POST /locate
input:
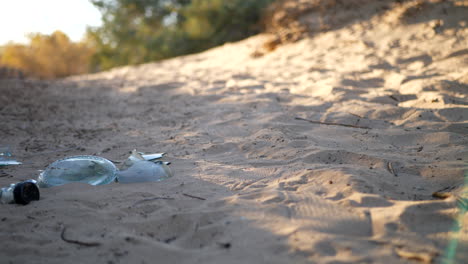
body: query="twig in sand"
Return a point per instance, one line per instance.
(4, 174)
(448, 188)
(152, 199)
(193, 196)
(393, 98)
(390, 168)
(330, 124)
(356, 115)
(81, 243)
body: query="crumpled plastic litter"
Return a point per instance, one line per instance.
(141, 167)
(94, 170)
(5, 157)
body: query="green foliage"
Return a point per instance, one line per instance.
(137, 31)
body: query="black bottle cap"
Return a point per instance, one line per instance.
(25, 192)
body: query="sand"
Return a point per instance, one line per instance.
(255, 182)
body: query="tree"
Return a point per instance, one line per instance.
(47, 56)
(137, 31)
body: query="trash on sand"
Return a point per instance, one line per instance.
(20, 193)
(151, 157)
(86, 169)
(144, 168)
(4, 162)
(138, 167)
(5, 157)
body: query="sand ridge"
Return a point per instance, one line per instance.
(255, 182)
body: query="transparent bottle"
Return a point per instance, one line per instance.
(86, 169)
(144, 171)
(140, 167)
(20, 193)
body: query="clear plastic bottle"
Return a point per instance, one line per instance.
(86, 169)
(20, 193)
(140, 167)
(144, 171)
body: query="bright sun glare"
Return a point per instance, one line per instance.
(20, 17)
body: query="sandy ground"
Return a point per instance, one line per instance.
(255, 182)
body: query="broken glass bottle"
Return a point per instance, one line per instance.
(144, 168)
(86, 169)
(20, 193)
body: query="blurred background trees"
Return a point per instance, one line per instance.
(47, 56)
(137, 31)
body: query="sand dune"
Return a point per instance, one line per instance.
(255, 181)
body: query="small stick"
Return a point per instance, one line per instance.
(448, 188)
(393, 98)
(81, 243)
(330, 124)
(193, 196)
(390, 168)
(356, 115)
